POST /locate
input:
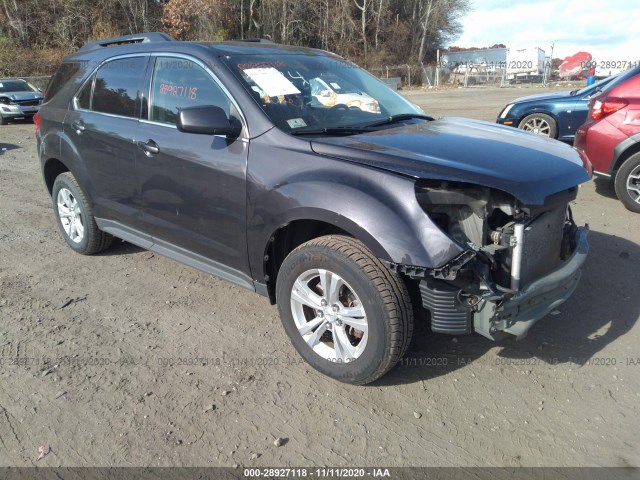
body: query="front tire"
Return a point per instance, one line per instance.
(75, 218)
(540, 124)
(627, 183)
(346, 314)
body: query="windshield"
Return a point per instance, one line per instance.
(7, 86)
(315, 92)
(593, 88)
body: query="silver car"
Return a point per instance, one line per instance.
(18, 100)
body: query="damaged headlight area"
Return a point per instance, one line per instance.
(519, 261)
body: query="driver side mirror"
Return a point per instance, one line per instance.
(208, 120)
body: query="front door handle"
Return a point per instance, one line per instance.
(78, 126)
(149, 147)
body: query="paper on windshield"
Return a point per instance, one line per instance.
(272, 82)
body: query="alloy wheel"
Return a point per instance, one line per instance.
(70, 215)
(537, 125)
(329, 315)
(633, 185)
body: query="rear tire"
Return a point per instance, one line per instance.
(74, 217)
(627, 183)
(540, 124)
(346, 314)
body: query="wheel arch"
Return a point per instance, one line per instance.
(313, 224)
(64, 158)
(625, 149)
(51, 169)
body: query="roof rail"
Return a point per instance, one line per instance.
(125, 39)
(252, 40)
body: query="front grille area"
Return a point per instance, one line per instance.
(27, 103)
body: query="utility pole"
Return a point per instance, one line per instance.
(551, 59)
(437, 79)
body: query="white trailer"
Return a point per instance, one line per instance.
(525, 61)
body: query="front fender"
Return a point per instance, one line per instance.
(376, 207)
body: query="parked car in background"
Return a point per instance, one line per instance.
(18, 100)
(611, 136)
(556, 115)
(348, 219)
(331, 91)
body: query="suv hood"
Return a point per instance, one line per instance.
(544, 96)
(21, 96)
(527, 166)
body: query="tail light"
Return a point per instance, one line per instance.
(36, 120)
(607, 106)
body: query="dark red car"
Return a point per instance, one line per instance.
(611, 136)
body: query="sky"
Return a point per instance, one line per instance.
(604, 29)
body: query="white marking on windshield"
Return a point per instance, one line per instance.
(272, 82)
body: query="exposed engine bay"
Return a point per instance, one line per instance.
(509, 247)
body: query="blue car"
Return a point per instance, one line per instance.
(556, 115)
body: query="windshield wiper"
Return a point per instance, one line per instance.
(399, 118)
(369, 127)
(332, 131)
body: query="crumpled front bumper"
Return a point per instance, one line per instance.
(520, 312)
(18, 111)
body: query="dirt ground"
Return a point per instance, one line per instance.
(130, 359)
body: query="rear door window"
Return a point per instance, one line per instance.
(117, 87)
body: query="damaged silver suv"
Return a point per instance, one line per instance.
(228, 157)
(18, 100)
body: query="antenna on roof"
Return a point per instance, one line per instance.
(127, 39)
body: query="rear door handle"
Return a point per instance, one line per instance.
(149, 147)
(78, 126)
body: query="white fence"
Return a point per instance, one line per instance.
(470, 76)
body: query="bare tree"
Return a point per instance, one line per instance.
(366, 31)
(137, 15)
(381, 4)
(425, 17)
(14, 15)
(363, 22)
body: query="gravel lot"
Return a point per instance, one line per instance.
(130, 359)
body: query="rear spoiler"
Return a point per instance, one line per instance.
(126, 39)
